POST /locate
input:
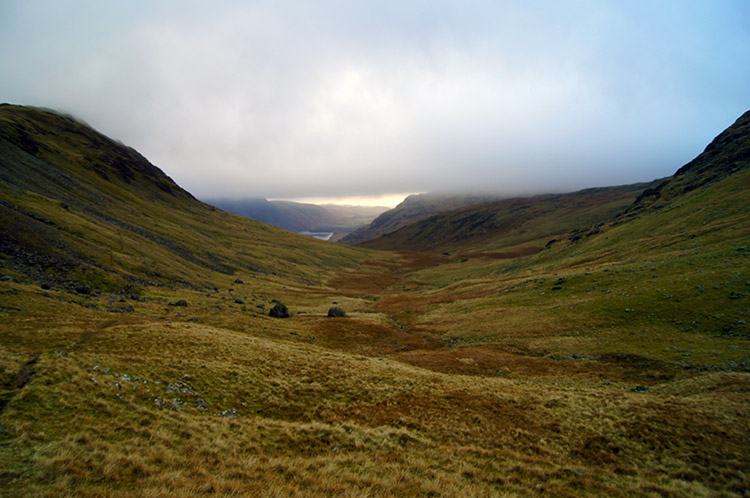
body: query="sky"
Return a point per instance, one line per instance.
(375, 99)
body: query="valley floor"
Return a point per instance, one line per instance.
(491, 384)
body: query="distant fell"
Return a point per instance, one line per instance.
(524, 223)
(413, 208)
(301, 217)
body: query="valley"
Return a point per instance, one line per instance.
(586, 344)
(303, 218)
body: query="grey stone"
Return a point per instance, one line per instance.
(279, 311)
(182, 388)
(336, 312)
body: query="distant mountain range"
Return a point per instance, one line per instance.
(300, 217)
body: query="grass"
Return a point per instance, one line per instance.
(466, 375)
(413, 394)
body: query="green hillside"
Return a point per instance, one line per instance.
(414, 208)
(78, 208)
(519, 224)
(138, 357)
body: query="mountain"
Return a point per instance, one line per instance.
(413, 208)
(138, 354)
(727, 154)
(79, 209)
(300, 217)
(518, 224)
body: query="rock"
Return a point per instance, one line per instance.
(122, 308)
(176, 404)
(200, 404)
(557, 287)
(239, 301)
(45, 286)
(181, 302)
(336, 312)
(230, 413)
(182, 388)
(640, 389)
(736, 295)
(238, 281)
(83, 289)
(279, 310)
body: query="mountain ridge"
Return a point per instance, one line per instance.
(494, 221)
(414, 208)
(301, 217)
(78, 207)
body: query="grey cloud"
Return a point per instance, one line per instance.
(334, 98)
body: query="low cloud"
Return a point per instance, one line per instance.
(322, 99)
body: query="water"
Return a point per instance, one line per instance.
(318, 235)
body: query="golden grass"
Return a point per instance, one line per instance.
(349, 413)
(451, 376)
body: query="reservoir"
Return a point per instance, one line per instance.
(318, 235)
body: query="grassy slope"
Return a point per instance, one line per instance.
(447, 378)
(79, 207)
(524, 224)
(412, 209)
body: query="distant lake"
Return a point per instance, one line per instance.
(318, 235)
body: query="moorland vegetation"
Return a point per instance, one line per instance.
(593, 344)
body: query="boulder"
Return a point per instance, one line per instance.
(336, 312)
(279, 310)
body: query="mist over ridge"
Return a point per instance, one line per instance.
(295, 100)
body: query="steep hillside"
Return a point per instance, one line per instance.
(727, 154)
(300, 217)
(413, 208)
(79, 209)
(521, 224)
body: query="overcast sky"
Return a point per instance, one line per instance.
(290, 99)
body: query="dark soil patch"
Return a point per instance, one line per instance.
(22, 378)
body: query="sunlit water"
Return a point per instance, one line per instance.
(319, 235)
